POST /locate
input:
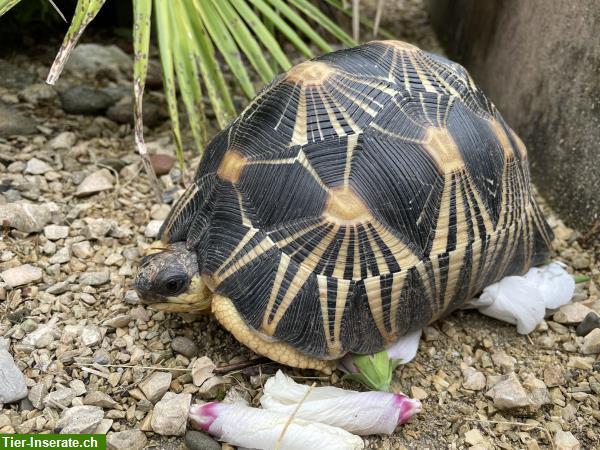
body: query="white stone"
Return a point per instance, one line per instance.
(153, 228)
(56, 232)
(14, 385)
(473, 380)
(98, 181)
(62, 256)
(37, 167)
(591, 343)
(80, 419)
(571, 314)
(170, 414)
(94, 278)
(82, 249)
(21, 275)
(26, 217)
(564, 440)
(91, 336)
(508, 393)
(127, 440)
(155, 386)
(64, 140)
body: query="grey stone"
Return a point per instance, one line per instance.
(59, 288)
(14, 385)
(119, 321)
(126, 440)
(98, 398)
(591, 343)
(62, 397)
(64, 140)
(104, 426)
(98, 228)
(82, 249)
(155, 386)
(13, 77)
(95, 60)
(94, 278)
(122, 112)
(589, 323)
(85, 100)
(21, 275)
(472, 379)
(91, 335)
(37, 167)
(56, 232)
(170, 414)
(564, 440)
(571, 313)
(195, 440)
(508, 393)
(62, 256)
(13, 123)
(184, 346)
(101, 180)
(78, 386)
(26, 217)
(39, 94)
(37, 394)
(80, 419)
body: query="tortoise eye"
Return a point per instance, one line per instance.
(173, 285)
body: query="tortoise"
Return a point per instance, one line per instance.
(362, 195)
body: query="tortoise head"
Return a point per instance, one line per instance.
(169, 280)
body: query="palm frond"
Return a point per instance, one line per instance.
(5, 5)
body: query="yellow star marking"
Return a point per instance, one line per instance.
(310, 73)
(231, 166)
(440, 145)
(344, 207)
(502, 137)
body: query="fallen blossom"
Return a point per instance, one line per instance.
(255, 428)
(358, 412)
(375, 371)
(522, 300)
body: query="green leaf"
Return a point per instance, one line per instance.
(217, 89)
(316, 15)
(301, 24)
(5, 5)
(225, 43)
(582, 278)
(282, 26)
(165, 44)
(142, 10)
(85, 11)
(244, 39)
(264, 31)
(374, 371)
(188, 77)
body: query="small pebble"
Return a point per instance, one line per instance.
(589, 323)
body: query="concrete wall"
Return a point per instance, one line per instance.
(539, 61)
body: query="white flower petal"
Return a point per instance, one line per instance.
(554, 282)
(406, 348)
(515, 301)
(261, 429)
(358, 412)
(522, 300)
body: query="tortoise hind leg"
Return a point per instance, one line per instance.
(281, 352)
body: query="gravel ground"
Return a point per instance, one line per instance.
(77, 214)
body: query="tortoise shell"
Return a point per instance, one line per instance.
(361, 195)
